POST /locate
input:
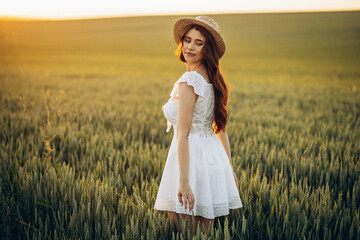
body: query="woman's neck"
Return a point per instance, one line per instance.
(193, 66)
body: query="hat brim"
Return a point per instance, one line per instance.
(179, 31)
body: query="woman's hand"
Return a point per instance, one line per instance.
(185, 194)
(236, 181)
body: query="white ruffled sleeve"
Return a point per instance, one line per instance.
(192, 79)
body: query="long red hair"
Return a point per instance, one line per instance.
(211, 62)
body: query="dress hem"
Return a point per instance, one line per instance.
(198, 210)
(198, 215)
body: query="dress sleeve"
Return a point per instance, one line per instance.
(192, 79)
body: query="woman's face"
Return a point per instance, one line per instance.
(193, 45)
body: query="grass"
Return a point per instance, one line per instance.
(83, 141)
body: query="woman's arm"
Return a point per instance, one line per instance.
(224, 139)
(187, 99)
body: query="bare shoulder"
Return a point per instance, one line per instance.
(186, 92)
(185, 89)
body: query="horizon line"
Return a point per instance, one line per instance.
(24, 18)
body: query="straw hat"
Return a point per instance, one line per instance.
(204, 21)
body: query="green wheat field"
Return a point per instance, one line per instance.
(83, 141)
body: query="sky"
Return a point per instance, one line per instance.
(65, 9)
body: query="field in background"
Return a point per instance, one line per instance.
(83, 141)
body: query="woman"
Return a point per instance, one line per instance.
(198, 177)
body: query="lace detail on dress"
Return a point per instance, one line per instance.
(207, 211)
(203, 115)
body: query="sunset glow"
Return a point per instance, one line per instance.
(85, 9)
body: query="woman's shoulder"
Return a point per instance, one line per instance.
(194, 76)
(194, 79)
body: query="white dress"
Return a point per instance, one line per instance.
(210, 175)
